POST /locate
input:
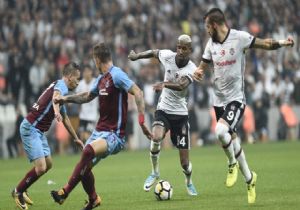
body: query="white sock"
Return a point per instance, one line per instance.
(224, 137)
(154, 156)
(240, 156)
(188, 173)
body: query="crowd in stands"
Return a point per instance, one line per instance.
(38, 37)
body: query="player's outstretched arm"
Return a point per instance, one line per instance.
(271, 44)
(146, 54)
(199, 72)
(78, 98)
(139, 100)
(70, 129)
(183, 83)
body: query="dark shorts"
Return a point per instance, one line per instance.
(86, 126)
(178, 126)
(231, 113)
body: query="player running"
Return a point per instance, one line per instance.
(37, 122)
(172, 110)
(112, 88)
(226, 51)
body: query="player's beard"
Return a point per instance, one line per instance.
(214, 35)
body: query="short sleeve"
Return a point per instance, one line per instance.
(246, 39)
(61, 87)
(94, 89)
(121, 79)
(206, 57)
(163, 54)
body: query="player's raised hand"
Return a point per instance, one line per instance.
(198, 74)
(58, 117)
(132, 56)
(59, 99)
(158, 86)
(79, 144)
(290, 41)
(146, 131)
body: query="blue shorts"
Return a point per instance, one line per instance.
(34, 141)
(114, 143)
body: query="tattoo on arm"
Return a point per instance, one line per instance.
(266, 44)
(148, 54)
(139, 98)
(80, 98)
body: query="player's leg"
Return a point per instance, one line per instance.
(82, 167)
(114, 145)
(160, 127)
(155, 145)
(180, 137)
(187, 171)
(250, 177)
(225, 116)
(33, 141)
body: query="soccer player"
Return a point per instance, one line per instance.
(37, 122)
(88, 114)
(111, 87)
(226, 51)
(172, 110)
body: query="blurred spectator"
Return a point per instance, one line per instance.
(13, 143)
(88, 112)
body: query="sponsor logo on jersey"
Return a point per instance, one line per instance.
(225, 63)
(176, 75)
(169, 71)
(107, 84)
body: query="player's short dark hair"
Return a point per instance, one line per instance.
(215, 15)
(70, 68)
(102, 52)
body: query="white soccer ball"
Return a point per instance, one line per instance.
(163, 190)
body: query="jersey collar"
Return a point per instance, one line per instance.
(225, 37)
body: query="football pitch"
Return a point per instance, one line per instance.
(120, 178)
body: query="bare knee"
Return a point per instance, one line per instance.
(41, 169)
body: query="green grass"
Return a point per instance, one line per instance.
(119, 180)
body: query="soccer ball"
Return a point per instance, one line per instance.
(163, 190)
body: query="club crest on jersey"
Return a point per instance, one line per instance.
(231, 51)
(232, 107)
(169, 71)
(176, 75)
(107, 84)
(222, 52)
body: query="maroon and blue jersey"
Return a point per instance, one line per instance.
(112, 90)
(41, 113)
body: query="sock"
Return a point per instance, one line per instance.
(83, 167)
(188, 173)
(154, 156)
(88, 183)
(224, 137)
(240, 156)
(27, 181)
